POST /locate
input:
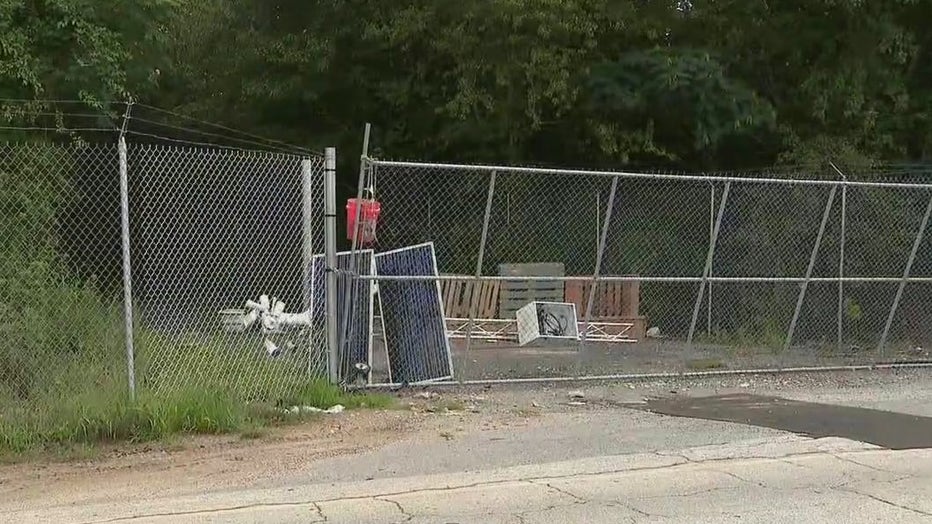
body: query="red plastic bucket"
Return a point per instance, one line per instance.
(368, 219)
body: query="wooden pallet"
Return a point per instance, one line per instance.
(613, 302)
(458, 294)
(516, 294)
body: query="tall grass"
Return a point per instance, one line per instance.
(63, 380)
(97, 408)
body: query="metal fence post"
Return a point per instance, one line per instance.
(350, 280)
(841, 256)
(474, 299)
(330, 245)
(841, 265)
(127, 269)
(708, 319)
(307, 248)
(708, 263)
(809, 269)
(906, 272)
(597, 271)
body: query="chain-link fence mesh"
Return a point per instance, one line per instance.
(61, 321)
(210, 228)
(803, 271)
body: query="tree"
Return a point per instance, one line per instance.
(95, 51)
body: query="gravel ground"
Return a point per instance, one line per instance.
(488, 361)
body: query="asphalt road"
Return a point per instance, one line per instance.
(599, 454)
(784, 479)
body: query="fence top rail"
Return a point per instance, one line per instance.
(159, 144)
(644, 175)
(645, 278)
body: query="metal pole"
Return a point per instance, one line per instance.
(909, 267)
(350, 280)
(473, 300)
(330, 249)
(127, 270)
(597, 271)
(809, 269)
(708, 263)
(708, 320)
(841, 266)
(647, 278)
(360, 186)
(841, 256)
(307, 248)
(129, 340)
(598, 222)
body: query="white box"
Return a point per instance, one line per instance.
(544, 321)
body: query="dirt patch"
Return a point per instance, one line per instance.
(205, 463)
(193, 464)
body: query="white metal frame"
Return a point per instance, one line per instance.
(505, 330)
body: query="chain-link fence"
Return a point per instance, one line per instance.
(695, 273)
(61, 321)
(192, 236)
(214, 249)
(211, 230)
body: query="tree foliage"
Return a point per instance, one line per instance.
(94, 50)
(700, 84)
(687, 84)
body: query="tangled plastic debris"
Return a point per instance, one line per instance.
(333, 410)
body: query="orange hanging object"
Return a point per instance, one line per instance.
(368, 218)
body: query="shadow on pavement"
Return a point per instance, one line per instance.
(882, 428)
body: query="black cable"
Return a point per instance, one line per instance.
(50, 101)
(55, 129)
(63, 114)
(550, 324)
(230, 129)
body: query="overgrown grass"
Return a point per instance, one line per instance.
(211, 386)
(99, 416)
(95, 419)
(64, 385)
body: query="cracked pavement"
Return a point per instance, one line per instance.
(790, 478)
(596, 463)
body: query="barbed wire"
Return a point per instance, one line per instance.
(229, 129)
(197, 143)
(62, 113)
(229, 135)
(213, 135)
